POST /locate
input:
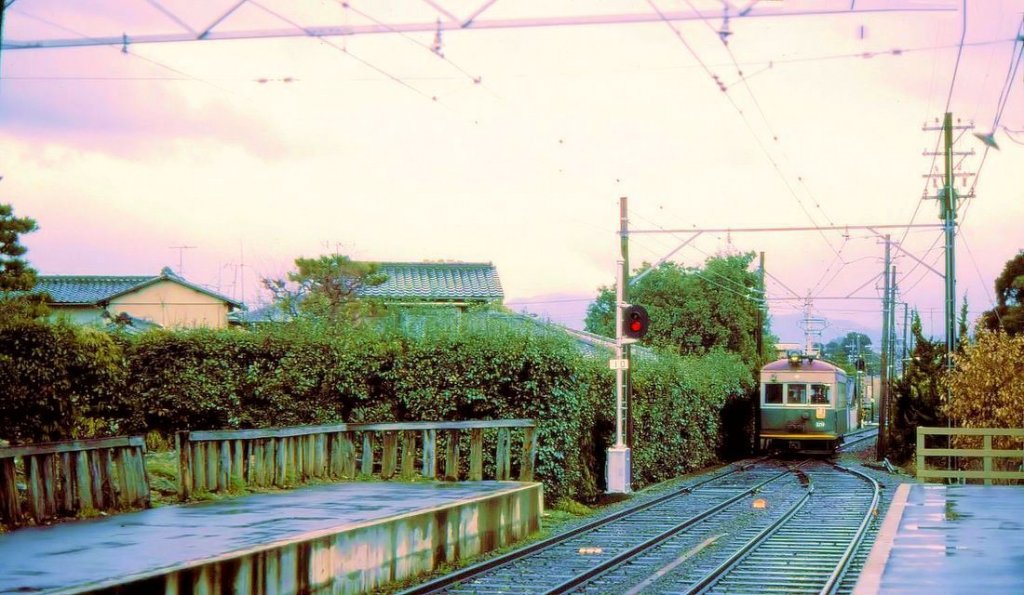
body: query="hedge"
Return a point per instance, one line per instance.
(60, 381)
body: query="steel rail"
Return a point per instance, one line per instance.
(835, 579)
(858, 438)
(636, 550)
(474, 570)
(707, 580)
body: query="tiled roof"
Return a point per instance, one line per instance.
(437, 281)
(93, 289)
(67, 289)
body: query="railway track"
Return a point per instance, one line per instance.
(764, 526)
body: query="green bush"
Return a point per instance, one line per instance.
(58, 381)
(61, 381)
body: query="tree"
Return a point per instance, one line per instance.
(917, 397)
(843, 351)
(325, 288)
(987, 383)
(16, 277)
(693, 310)
(1008, 314)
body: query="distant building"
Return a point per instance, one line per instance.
(451, 285)
(136, 302)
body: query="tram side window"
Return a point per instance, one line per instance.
(819, 394)
(797, 394)
(773, 394)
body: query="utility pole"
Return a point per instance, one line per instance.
(948, 196)
(948, 199)
(893, 368)
(906, 350)
(881, 448)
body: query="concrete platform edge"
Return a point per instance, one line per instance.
(441, 533)
(870, 580)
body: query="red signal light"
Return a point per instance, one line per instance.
(635, 322)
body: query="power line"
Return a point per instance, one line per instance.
(472, 23)
(960, 51)
(124, 50)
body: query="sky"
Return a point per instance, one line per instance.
(227, 159)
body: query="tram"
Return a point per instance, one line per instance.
(807, 405)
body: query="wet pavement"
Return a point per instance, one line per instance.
(949, 539)
(42, 559)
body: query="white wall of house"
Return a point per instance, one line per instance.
(172, 306)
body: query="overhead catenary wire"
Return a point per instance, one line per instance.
(476, 79)
(343, 50)
(743, 117)
(124, 50)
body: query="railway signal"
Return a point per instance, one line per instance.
(634, 322)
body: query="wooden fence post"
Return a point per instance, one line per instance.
(987, 459)
(34, 485)
(10, 501)
(408, 454)
(389, 455)
(429, 454)
(476, 454)
(451, 458)
(49, 463)
(348, 454)
(281, 463)
(367, 468)
(919, 452)
(110, 490)
(224, 466)
(529, 454)
(67, 483)
(502, 456)
(82, 484)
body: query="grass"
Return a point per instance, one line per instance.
(162, 468)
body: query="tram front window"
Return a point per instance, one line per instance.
(773, 394)
(796, 394)
(819, 394)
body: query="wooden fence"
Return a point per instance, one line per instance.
(217, 461)
(63, 479)
(966, 455)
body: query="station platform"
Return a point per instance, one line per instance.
(338, 538)
(949, 539)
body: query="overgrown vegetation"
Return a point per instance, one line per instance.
(60, 381)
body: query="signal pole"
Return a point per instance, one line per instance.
(619, 464)
(627, 350)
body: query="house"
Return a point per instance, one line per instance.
(451, 285)
(136, 302)
(455, 284)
